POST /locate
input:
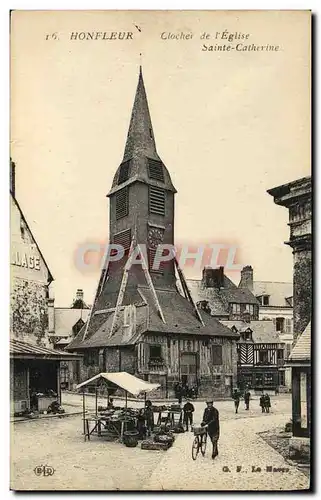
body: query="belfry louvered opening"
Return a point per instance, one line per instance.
(123, 239)
(124, 171)
(155, 170)
(122, 203)
(156, 200)
(155, 265)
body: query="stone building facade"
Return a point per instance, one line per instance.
(296, 197)
(140, 322)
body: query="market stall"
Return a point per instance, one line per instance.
(119, 423)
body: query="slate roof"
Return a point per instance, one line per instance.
(21, 349)
(220, 298)
(278, 292)
(263, 331)
(302, 349)
(179, 316)
(141, 145)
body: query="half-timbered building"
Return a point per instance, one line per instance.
(260, 355)
(140, 322)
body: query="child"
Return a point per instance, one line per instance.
(188, 410)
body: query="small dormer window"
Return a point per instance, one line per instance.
(123, 172)
(248, 335)
(155, 170)
(265, 300)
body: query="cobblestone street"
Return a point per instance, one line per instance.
(102, 465)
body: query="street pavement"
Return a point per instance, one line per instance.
(103, 465)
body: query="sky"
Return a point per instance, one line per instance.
(228, 125)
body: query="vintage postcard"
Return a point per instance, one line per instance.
(161, 282)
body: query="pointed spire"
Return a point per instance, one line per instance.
(140, 138)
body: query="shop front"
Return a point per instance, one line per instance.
(34, 376)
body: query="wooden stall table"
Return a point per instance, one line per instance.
(170, 417)
(104, 427)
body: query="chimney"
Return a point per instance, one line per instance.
(247, 278)
(213, 278)
(12, 178)
(80, 294)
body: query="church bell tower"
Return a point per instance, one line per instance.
(141, 207)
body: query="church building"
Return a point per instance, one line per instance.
(140, 322)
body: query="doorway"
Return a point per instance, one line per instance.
(189, 368)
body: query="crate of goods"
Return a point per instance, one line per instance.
(151, 445)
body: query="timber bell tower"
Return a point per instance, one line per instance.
(141, 207)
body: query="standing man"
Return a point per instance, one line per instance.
(149, 417)
(188, 410)
(236, 396)
(247, 397)
(212, 423)
(267, 403)
(262, 402)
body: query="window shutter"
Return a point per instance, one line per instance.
(155, 170)
(156, 200)
(122, 203)
(123, 239)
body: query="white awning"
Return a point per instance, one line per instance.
(129, 383)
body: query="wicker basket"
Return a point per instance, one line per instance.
(199, 430)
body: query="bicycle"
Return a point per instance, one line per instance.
(199, 443)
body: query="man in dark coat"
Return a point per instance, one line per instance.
(262, 403)
(212, 422)
(267, 403)
(188, 410)
(236, 396)
(247, 396)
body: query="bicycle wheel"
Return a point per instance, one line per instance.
(195, 448)
(203, 444)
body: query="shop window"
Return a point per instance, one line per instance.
(122, 203)
(156, 201)
(217, 355)
(268, 379)
(259, 380)
(217, 380)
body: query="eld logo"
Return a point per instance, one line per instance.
(44, 470)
